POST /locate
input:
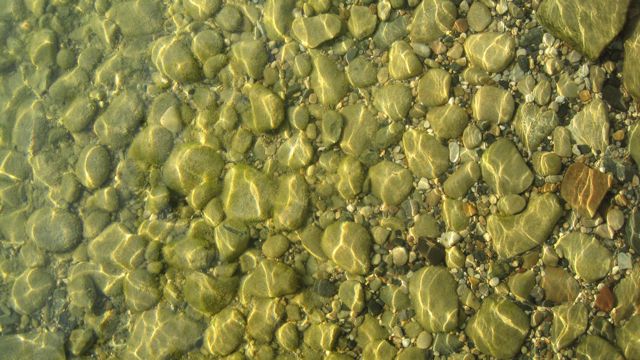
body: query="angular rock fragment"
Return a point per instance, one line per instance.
(267, 109)
(569, 322)
(246, 194)
(584, 188)
(328, 81)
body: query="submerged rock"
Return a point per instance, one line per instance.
(348, 245)
(433, 293)
(581, 250)
(584, 188)
(490, 51)
(569, 322)
(504, 169)
(315, 30)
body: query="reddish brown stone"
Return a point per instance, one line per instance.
(584, 188)
(558, 285)
(604, 299)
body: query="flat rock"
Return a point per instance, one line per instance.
(315, 30)
(591, 126)
(432, 19)
(569, 322)
(581, 24)
(631, 69)
(434, 87)
(403, 62)
(272, 279)
(628, 337)
(498, 328)
(426, 156)
(432, 290)
(390, 182)
(595, 347)
(246, 194)
(348, 245)
(394, 100)
(504, 169)
(584, 188)
(448, 121)
(559, 286)
(533, 124)
(581, 250)
(493, 105)
(515, 234)
(490, 51)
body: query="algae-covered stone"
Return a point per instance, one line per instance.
(263, 318)
(54, 229)
(426, 156)
(278, 16)
(546, 163)
(515, 234)
(393, 99)
(351, 294)
(322, 336)
(189, 253)
(42, 48)
(160, 333)
(390, 182)
(229, 18)
(31, 290)
(454, 215)
(275, 246)
(511, 204)
(272, 279)
(41, 345)
(504, 169)
(533, 124)
(591, 126)
(141, 290)
(225, 333)
(581, 24)
(362, 21)
(13, 166)
(190, 165)
(231, 238)
(361, 72)
(117, 125)
(521, 284)
(479, 16)
(288, 336)
(173, 58)
(351, 176)
(328, 81)
(131, 15)
(559, 286)
(379, 350)
(595, 347)
(152, 145)
(201, 9)
(493, 105)
(315, 30)
(291, 202)
(434, 87)
(569, 322)
(358, 129)
(630, 70)
(390, 31)
(117, 249)
(206, 44)
(498, 328)
(581, 250)
(628, 337)
(246, 195)
(432, 290)
(432, 19)
(490, 51)
(448, 121)
(331, 127)
(209, 294)
(348, 244)
(251, 56)
(632, 230)
(79, 115)
(295, 153)
(403, 62)
(267, 109)
(461, 180)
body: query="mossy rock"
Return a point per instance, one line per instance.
(189, 253)
(116, 126)
(54, 229)
(31, 290)
(348, 245)
(173, 58)
(291, 203)
(225, 333)
(273, 279)
(189, 165)
(231, 238)
(152, 145)
(141, 290)
(209, 294)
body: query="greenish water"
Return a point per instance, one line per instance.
(318, 179)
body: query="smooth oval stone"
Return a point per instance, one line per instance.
(433, 294)
(498, 328)
(263, 318)
(493, 105)
(141, 290)
(511, 204)
(93, 166)
(290, 205)
(278, 16)
(55, 230)
(251, 56)
(207, 44)
(116, 126)
(275, 246)
(362, 22)
(595, 347)
(390, 182)
(453, 214)
(569, 322)
(229, 18)
(521, 284)
(302, 65)
(189, 253)
(479, 16)
(504, 169)
(311, 32)
(361, 72)
(295, 153)
(394, 100)
(533, 124)
(589, 34)
(31, 290)
(490, 51)
(288, 336)
(348, 245)
(79, 115)
(272, 279)
(515, 234)
(175, 60)
(461, 180)
(432, 19)
(403, 62)
(190, 165)
(426, 156)
(152, 145)
(448, 121)
(351, 176)
(322, 336)
(246, 194)
(434, 87)
(231, 238)
(225, 332)
(328, 81)
(29, 133)
(591, 126)
(331, 127)
(580, 250)
(208, 294)
(42, 48)
(546, 163)
(201, 9)
(358, 129)
(267, 109)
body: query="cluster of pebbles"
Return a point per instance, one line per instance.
(319, 179)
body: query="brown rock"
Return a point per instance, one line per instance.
(584, 188)
(604, 299)
(558, 285)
